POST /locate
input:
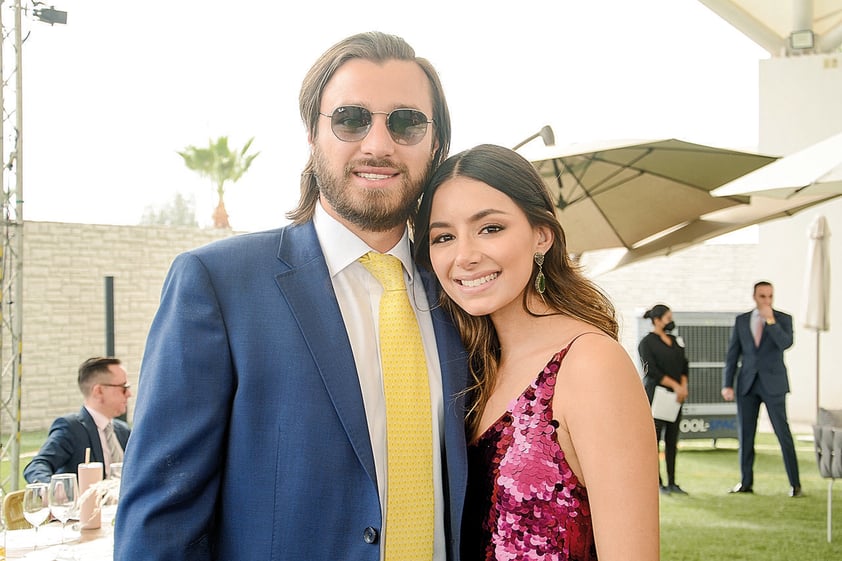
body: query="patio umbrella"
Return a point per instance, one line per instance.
(709, 226)
(703, 228)
(817, 288)
(618, 194)
(814, 170)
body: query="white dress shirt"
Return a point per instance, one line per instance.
(101, 422)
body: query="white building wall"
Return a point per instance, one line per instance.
(800, 101)
(782, 257)
(801, 104)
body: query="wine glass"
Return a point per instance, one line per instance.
(36, 506)
(63, 493)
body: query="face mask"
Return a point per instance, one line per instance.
(670, 326)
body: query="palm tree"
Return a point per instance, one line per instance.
(218, 163)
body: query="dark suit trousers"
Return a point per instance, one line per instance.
(748, 408)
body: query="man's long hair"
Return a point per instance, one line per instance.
(377, 47)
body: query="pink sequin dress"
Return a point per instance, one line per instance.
(523, 501)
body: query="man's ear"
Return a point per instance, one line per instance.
(96, 391)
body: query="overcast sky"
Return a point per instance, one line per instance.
(110, 97)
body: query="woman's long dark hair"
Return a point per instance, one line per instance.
(567, 292)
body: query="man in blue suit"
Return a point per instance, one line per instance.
(260, 427)
(103, 383)
(755, 361)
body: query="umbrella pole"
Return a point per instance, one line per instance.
(818, 370)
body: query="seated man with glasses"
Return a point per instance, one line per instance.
(104, 385)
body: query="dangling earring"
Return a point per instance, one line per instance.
(540, 280)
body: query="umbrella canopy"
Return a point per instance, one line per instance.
(618, 194)
(706, 227)
(709, 226)
(817, 280)
(815, 170)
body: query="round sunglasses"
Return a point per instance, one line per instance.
(351, 123)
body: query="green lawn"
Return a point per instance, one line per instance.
(711, 524)
(29, 444)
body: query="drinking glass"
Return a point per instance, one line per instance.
(115, 470)
(36, 506)
(63, 493)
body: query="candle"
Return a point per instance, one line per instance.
(89, 514)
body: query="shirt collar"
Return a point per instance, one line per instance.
(341, 247)
(100, 420)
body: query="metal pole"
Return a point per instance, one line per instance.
(818, 370)
(18, 303)
(109, 316)
(4, 451)
(829, 509)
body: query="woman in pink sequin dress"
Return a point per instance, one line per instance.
(562, 458)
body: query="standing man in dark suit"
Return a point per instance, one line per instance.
(103, 383)
(263, 417)
(755, 361)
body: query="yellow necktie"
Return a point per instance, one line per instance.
(409, 433)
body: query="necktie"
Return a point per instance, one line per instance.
(758, 330)
(114, 448)
(409, 438)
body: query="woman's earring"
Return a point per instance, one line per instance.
(540, 280)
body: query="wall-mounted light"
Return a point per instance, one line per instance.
(50, 15)
(803, 39)
(546, 134)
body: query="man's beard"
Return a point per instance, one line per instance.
(374, 210)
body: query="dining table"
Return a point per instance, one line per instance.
(72, 544)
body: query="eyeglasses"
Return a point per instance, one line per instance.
(351, 123)
(125, 387)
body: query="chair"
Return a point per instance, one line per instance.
(828, 440)
(13, 511)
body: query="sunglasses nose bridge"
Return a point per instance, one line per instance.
(379, 138)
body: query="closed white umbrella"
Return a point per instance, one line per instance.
(817, 287)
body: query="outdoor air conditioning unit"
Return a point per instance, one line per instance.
(705, 335)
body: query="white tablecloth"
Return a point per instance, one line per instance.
(84, 545)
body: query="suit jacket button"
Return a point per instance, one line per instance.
(370, 535)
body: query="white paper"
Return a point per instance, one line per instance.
(664, 405)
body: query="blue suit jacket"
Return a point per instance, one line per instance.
(250, 437)
(745, 362)
(65, 446)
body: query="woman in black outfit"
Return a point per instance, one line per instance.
(664, 364)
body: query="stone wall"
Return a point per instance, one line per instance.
(65, 266)
(64, 270)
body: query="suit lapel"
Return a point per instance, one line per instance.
(93, 436)
(308, 290)
(454, 371)
(452, 356)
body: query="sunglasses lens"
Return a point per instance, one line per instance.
(350, 123)
(407, 126)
